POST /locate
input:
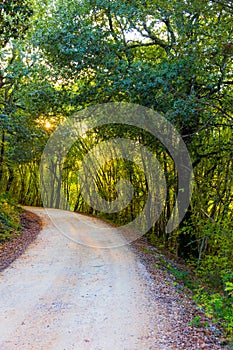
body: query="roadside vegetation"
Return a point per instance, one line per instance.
(9, 218)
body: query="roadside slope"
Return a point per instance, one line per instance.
(11, 250)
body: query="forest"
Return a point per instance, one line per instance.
(58, 58)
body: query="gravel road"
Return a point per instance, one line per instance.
(63, 295)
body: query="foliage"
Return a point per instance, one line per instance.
(229, 288)
(27, 103)
(9, 217)
(14, 19)
(174, 57)
(219, 307)
(215, 300)
(195, 322)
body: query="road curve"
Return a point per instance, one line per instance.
(65, 295)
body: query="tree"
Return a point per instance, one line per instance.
(174, 57)
(14, 21)
(28, 99)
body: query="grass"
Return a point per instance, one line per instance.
(9, 217)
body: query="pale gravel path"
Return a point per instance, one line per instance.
(61, 295)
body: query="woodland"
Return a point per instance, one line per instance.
(175, 57)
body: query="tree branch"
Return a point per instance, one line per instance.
(155, 39)
(134, 46)
(228, 82)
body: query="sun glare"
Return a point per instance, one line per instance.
(47, 125)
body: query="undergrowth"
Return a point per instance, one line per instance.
(211, 284)
(9, 217)
(214, 296)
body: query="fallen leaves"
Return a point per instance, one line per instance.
(17, 245)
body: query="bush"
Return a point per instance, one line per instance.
(9, 217)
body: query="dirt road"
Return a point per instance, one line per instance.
(63, 295)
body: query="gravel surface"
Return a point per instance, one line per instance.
(63, 295)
